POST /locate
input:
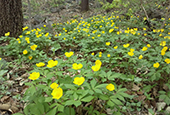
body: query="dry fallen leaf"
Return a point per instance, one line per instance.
(135, 87)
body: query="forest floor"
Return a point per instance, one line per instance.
(13, 88)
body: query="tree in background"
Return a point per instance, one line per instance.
(84, 5)
(11, 17)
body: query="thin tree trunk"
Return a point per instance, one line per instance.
(84, 5)
(11, 17)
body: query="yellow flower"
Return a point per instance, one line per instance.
(144, 29)
(54, 85)
(126, 45)
(167, 61)
(110, 87)
(98, 62)
(96, 67)
(132, 50)
(25, 52)
(92, 53)
(44, 25)
(148, 45)
(162, 53)
(108, 55)
(30, 57)
(100, 55)
(64, 38)
(34, 75)
(140, 57)
(57, 93)
(33, 47)
(52, 63)
(26, 27)
(107, 43)
(163, 43)
(46, 34)
(27, 39)
(164, 50)
(79, 80)
(130, 53)
(111, 30)
(0, 58)
(7, 34)
(156, 65)
(76, 66)
(40, 64)
(69, 54)
(28, 32)
(115, 47)
(144, 48)
(86, 30)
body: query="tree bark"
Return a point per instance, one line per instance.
(11, 17)
(84, 5)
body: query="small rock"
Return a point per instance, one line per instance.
(160, 105)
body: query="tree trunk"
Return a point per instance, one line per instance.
(84, 5)
(11, 17)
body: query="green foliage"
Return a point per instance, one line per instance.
(124, 55)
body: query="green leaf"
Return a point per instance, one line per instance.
(101, 86)
(162, 92)
(41, 86)
(60, 108)
(120, 97)
(75, 96)
(115, 75)
(69, 86)
(52, 112)
(117, 102)
(87, 99)
(125, 95)
(48, 99)
(69, 102)
(137, 79)
(34, 109)
(69, 111)
(104, 97)
(40, 107)
(110, 103)
(93, 83)
(98, 91)
(73, 102)
(50, 75)
(69, 92)
(87, 85)
(117, 113)
(122, 90)
(2, 72)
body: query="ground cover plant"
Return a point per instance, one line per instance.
(91, 66)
